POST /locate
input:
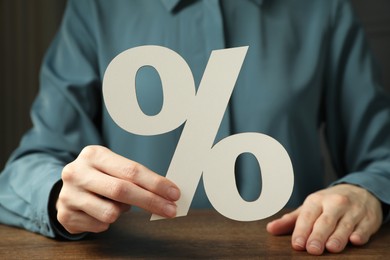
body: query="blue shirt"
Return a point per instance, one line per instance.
(307, 65)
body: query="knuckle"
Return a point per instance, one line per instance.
(340, 200)
(159, 181)
(68, 173)
(63, 200)
(152, 204)
(347, 225)
(327, 220)
(314, 198)
(110, 214)
(131, 171)
(91, 151)
(64, 217)
(306, 216)
(117, 190)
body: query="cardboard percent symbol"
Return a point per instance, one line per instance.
(202, 113)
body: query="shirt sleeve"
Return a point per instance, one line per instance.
(357, 108)
(65, 118)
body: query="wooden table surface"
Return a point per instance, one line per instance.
(202, 234)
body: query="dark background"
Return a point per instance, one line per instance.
(28, 26)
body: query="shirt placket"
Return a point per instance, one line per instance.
(213, 25)
(215, 39)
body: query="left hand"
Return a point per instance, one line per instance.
(329, 218)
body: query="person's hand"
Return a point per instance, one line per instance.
(329, 218)
(100, 185)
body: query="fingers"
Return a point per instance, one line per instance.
(369, 224)
(358, 224)
(129, 193)
(103, 210)
(99, 185)
(120, 167)
(330, 218)
(119, 190)
(333, 227)
(284, 225)
(309, 213)
(80, 211)
(354, 227)
(324, 222)
(76, 222)
(339, 238)
(360, 236)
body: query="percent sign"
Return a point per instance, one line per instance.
(202, 113)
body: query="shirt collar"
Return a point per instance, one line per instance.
(170, 4)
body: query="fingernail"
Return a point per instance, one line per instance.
(300, 242)
(316, 245)
(173, 194)
(170, 210)
(333, 243)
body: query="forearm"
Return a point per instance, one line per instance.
(25, 185)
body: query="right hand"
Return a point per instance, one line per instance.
(100, 185)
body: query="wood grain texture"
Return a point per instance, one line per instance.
(202, 234)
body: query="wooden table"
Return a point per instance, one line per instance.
(202, 234)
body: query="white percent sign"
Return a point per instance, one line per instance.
(202, 114)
